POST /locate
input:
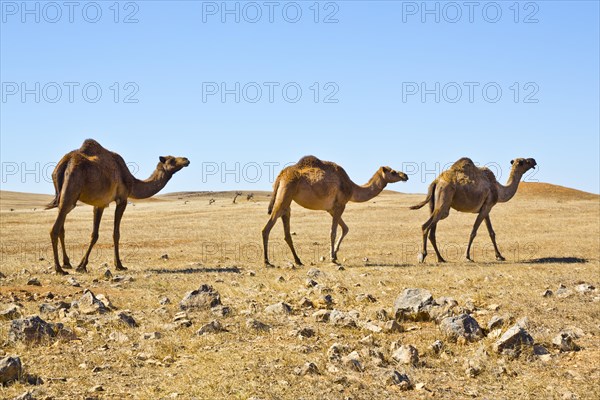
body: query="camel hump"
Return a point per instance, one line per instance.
(310, 161)
(463, 163)
(91, 148)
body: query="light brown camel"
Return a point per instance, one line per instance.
(468, 188)
(320, 185)
(97, 177)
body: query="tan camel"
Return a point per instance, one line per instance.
(467, 188)
(97, 177)
(320, 185)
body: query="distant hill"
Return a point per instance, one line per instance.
(548, 190)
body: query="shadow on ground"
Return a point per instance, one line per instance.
(558, 260)
(230, 270)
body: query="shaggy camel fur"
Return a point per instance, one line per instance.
(467, 188)
(97, 177)
(320, 185)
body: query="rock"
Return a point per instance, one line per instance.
(122, 278)
(313, 273)
(164, 257)
(118, 337)
(305, 303)
(406, 354)
(542, 353)
(25, 396)
(564, 342)
(365, 297)
(513, 340)
(437, 346)
(73, 282)
(372, 327)
(90, 304)
(334, 353)
(34, 282)
(398, 379)
(10, 369)
(310, 283)
(257, 325)
(322, 315)
(204, 298)
(108, 275)
(341, 319)
(413, 304)
(164, 301)
(46, 308)
(32, 329)
(562, 292)
(308, 369)
(127, 319)
(352, 361)
(280, 308)
(305, 332)
(2, 276)
(495, 322)
(151, 336)
(9, 313)
(221, 311)
(212, 327)
(97, 388)
(547, 293)
(392, 326)
(463, 326)
(585, 288)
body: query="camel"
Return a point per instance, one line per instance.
(97, 176)
(467, 188)
(320, 185)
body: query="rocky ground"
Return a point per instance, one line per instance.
(197, 316)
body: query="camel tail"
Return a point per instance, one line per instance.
(58, 176)
(428, 199)
(273, 196)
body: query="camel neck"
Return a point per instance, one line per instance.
(505, 193)
(369, 190)
(151, 186)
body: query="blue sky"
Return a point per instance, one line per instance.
(500, 81)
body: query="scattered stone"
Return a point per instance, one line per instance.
(413, 304)
(280, 308)
(372, 327)
(12, 312)
(97, 388)
(437, 346)
(2, 276)
(221, 311)
(203, 298)
(122, 278)
(308, 369)
(151, 336)
(322, 315)
(365, 297)
(34, 282)
(127, 319)
(257, 325)
(392, 326)
(118, 337)
(313, 273)
(164, 257)
(73, 282)
(334, 353)
(35, 329)
(564, 342)
(400, 380)
(463, 326)
(10, 370)
(562, 292)
(306, 303)
(585, 288)
(305, 332)
(406, 354)
(513, 340)
(352, 361)
(310, 283)
(212, 327)
(90, 304)
(341, 319)
(108, 275)
(542, 353)
(164, 301)
(547, 293)
(25, 396)
(495, 322)
(280, 279)
(46, 308)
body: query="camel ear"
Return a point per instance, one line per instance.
(512, 162)
(162, 159)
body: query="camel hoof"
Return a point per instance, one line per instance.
(441, 260)
(82, 270)
(67, 266)
(120, 268)
(60, 271)
(299, 263)
(500, 258)
(468, 259)
(269, 265)
(422, 258)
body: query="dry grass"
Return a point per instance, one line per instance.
(204, 241)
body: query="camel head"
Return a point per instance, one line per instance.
(391, 176)
(523, 165)
(172, 164)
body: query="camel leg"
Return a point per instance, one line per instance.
(59, 225)
(345, 231)
(97, 218)
(288, 236)
(66, 261)
(480, 217)
(265, 234)
(337, 218)
(121, 205)
(434, 243)
(488, 223)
